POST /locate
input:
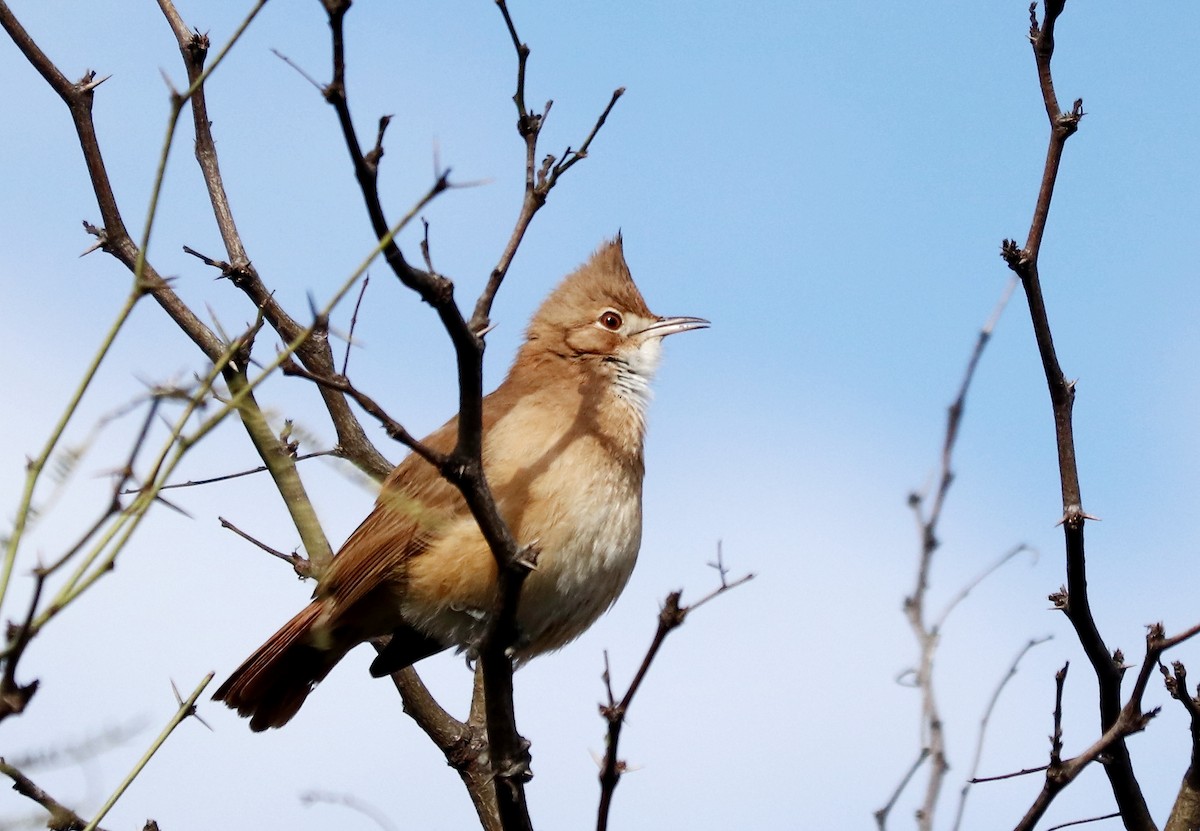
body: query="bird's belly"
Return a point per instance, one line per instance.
(578, 576)
(586, 538)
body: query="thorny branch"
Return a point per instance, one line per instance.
(314, 352)
(463, 467)
(1185, 813)
(1074, 601)
(539, 180)
(1131, 718)
(670, 617)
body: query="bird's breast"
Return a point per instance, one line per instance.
(567, 491)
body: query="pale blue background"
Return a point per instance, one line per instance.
(829, 183)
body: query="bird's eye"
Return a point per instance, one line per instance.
(610, 320)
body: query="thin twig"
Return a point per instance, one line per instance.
(195, 483)
(1013, 775)
(302, 566)
(186, 708)
(538, 182)
(1082, 821)
(927, 634)
(979, 578)
(882, 813)
(354, 803)
(983, 726)
(670, 617)
(393, 428)
(354, 322)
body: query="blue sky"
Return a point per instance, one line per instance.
(829, 184)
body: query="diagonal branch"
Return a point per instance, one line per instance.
(60, 815)
(315, 352)
(1131, 718)
(539, 181)
(670, 617)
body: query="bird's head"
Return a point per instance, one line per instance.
(598, 317)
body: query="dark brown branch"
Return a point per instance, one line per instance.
(362, 292)
(1023, 772)
(61, 817)
(15, 697)
(464, 467)
(393, 428)
(538, 181)
(194, 483)
(314, 352)
(1185, 812)
(114, 238)
(670, 617)
(302, 566)
(1130, 719)
(1024, 262)
(1082, 821)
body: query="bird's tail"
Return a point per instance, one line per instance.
(271, 684)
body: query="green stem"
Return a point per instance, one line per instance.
(186, 708)
(36, 466)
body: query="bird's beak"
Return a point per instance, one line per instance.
(670, 325)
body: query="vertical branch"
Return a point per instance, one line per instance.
(464, 466)
(539, 181)
(1024, 262)
(1185, 813)
(926, 633)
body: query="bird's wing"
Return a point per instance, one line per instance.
(414, 502)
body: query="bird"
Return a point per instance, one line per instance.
(562, 452)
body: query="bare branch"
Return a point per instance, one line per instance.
(314, 352)
(670, 617)
(926, 634)
(60, 815)
(983, 725)
(302, 566)
(394, 428)
(882, 813)
(538, 181)
(1024, 263)
(362, 292)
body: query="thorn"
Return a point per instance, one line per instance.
(92, 84)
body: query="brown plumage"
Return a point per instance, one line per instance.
(562, 452)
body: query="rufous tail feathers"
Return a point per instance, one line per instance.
(271, 684)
